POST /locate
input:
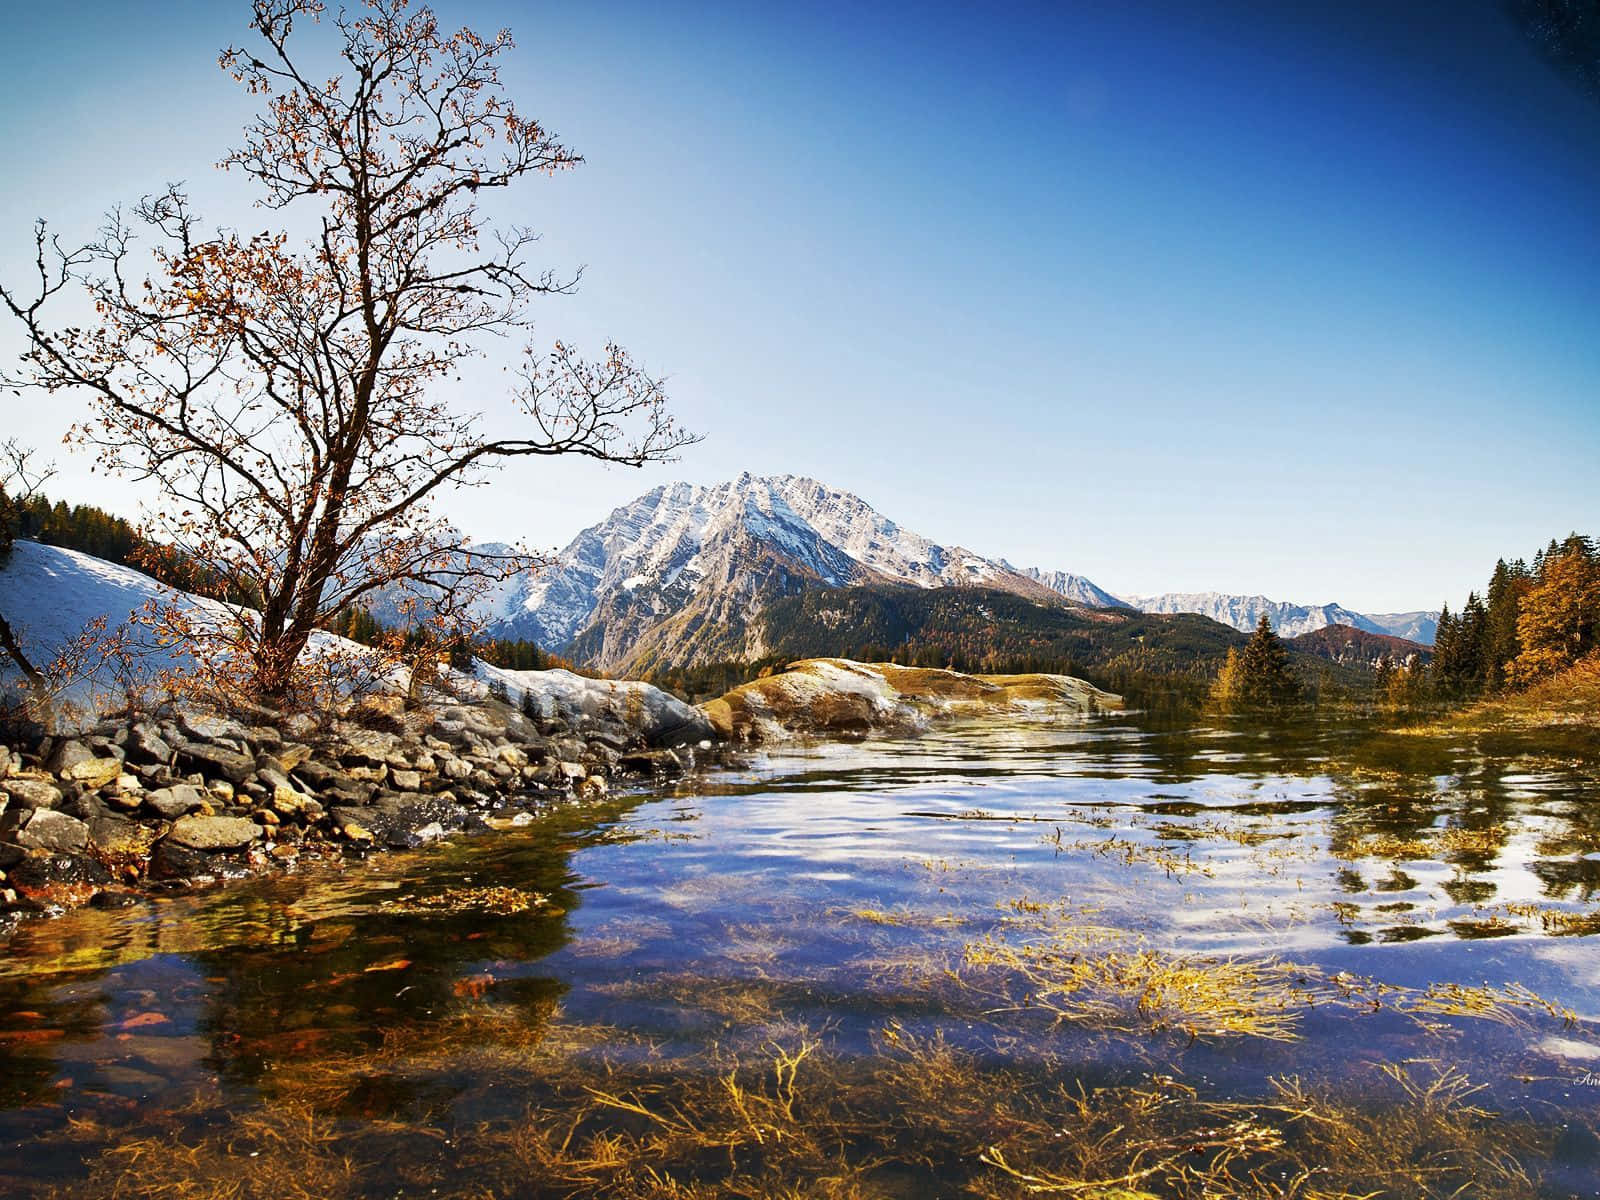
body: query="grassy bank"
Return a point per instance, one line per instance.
(1560, 715)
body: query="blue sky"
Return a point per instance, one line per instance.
(1293, 299)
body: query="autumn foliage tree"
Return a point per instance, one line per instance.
(285, 397)
(1558, 621)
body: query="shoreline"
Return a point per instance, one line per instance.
(149, 804)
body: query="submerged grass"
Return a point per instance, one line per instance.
(799, 1118)
(949, 1089)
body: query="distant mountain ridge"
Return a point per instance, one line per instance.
(679, 575)
(1289, 620)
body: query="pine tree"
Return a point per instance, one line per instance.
(1446, 651)
(1266, 679)
(1472, 634)
(1506, 588)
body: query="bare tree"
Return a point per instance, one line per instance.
(285, 400)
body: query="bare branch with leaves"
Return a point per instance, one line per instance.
(285, 399)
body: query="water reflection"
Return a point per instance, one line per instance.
(829, 894)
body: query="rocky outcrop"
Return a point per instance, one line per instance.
(631, 710)
(834, 696)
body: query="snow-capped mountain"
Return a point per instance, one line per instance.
(1289, 620)
(676, 574)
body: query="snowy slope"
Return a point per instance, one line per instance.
(50, 595)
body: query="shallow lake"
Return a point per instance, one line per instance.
(1105, 959)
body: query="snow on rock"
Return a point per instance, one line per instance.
(659, 717)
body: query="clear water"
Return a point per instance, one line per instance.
(324, 1033)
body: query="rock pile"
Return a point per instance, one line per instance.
(180, 797)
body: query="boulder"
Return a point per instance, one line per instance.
(120, 837)
(201, 727)
(651, 762)
(398, 820)
(212, 760)
(54, 832)
(145, 744)
(31, 793)
(214, 833)
(176, 801)
(370, 748)
(314, 774)
(67, 754)
(59, 874)
(405, 780)
(94, 772)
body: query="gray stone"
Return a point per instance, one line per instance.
(31, 793)
(214, 760)
(315, 774)
(67, 754)
(173, 802)
(52, 831)
(405, 781)
(205, 728)
(215, 833)
(657, 717)
(368, 748)
(105, 747)
(147, 745)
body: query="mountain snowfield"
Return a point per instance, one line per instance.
(675, 575)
